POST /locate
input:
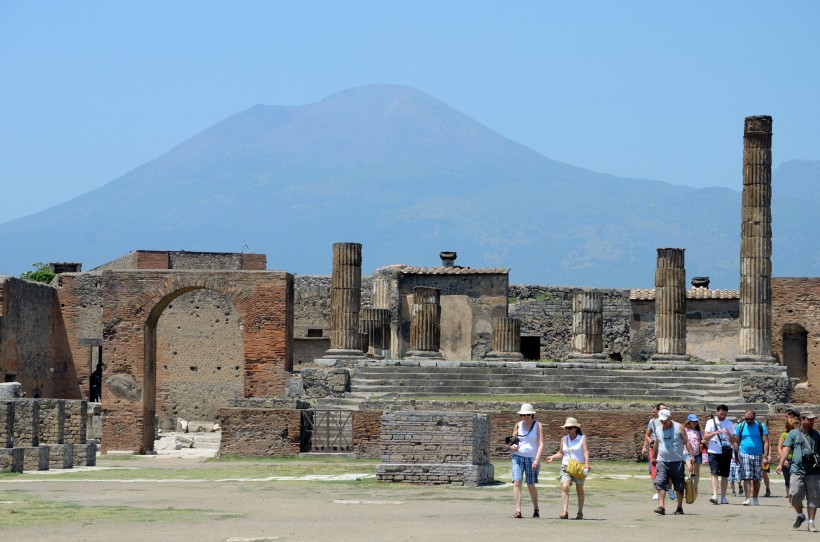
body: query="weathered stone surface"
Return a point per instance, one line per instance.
(11, 460)
(123, 386)
(10, 390)
(435, 448)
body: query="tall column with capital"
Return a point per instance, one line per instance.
(756, 243)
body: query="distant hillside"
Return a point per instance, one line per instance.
(409, 176)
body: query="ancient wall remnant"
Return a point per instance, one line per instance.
(435, 448)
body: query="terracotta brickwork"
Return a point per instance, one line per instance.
(133, 302)
(367, 432)
(796, 306)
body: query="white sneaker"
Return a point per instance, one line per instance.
(655, 497)
(724, 500)
(747, 502)
(714, 499)
(755, 502)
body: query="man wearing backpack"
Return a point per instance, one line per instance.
(754, 453)
(803, 444)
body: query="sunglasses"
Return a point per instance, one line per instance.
(749, 419)
(522, 415)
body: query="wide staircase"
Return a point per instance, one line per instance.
(672, 385)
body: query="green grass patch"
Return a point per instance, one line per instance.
(22, 509)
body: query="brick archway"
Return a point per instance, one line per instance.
(132, 304)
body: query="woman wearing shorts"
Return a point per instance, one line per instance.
(527, 446)
(573, 446)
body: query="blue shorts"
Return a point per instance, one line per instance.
(523, 465)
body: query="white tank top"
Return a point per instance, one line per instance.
(573, 449)
(527, 443)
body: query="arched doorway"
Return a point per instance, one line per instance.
(199, 357)
(134, 302)
(795, 351)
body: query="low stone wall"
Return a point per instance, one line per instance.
(435, 448)
(38, 434)
(260, 432)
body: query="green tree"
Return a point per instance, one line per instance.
(42, 273)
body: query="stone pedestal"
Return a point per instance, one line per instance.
(755, 339)
(670, 306)
(35, 457)
(506, 340)
(425, 328)
(345, 299)
(435, 448)
(587, 327)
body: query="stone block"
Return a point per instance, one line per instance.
(35, 457)
(60, 456)
(11, 460)
(85, 455)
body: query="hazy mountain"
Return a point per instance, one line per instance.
(408, 176)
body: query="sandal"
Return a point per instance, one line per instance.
(517, 515)
(660, 510)
(579, 515)
(564, 515)
(535, 513)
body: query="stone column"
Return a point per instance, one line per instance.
(425, 328)
(376, 324)
(670, 306)
(756, 244)
(506, 340)
(345, 298)
(587, 326)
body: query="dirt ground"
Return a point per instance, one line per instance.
(325, 510)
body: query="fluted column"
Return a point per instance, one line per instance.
(425, 328)
(345, 298)
(376, 324)
(587, 326)
(506, 340)
(756, 243)
(670, 306)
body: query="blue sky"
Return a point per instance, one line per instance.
(659, 90)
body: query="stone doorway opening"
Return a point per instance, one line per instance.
(795, 351)
(531, 347)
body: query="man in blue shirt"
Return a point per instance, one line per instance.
(754, 453)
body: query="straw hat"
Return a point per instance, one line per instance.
(571, 422)
(526, 408)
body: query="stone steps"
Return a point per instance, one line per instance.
(669, 384)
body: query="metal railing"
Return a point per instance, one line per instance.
(327, 431)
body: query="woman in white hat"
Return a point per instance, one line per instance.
(527, 444)
(573, 446)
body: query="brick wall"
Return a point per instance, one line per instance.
(435, 448)
(367, 433)
(33, 343)
(796, 305)
(259, 432)
(200, 356)
(133, 303)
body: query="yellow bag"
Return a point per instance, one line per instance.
(576, 469)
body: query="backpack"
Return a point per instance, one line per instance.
(740, 433)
